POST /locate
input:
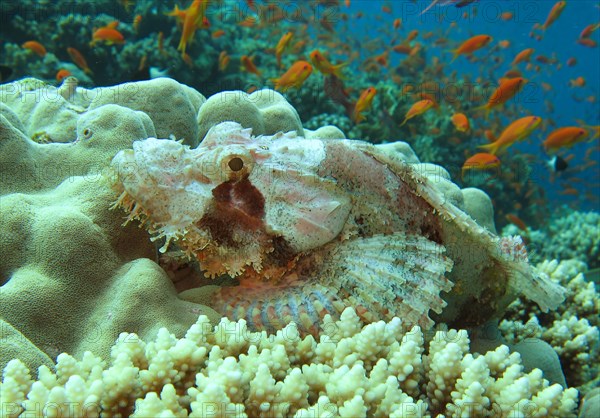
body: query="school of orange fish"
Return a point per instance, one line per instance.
(310, 44)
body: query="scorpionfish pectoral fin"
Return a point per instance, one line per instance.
(390, 275)
(381, 276)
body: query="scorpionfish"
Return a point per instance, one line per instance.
(309, 226)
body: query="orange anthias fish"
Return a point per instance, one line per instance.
(137, 21)
(283, 42)
(588, 30)
(108, 35)
(223, 60)
(489, 135)
(249, 66)
(577, 82)
(364, 102)
(522, 56)
(412, 35)
(513, 73)
(590, 43)
(323, 65)
(507, 89)
(461, 122)
(422, 96)
(504, 44)
(480, 161)
(471, 45)
(79, 60)
(35, 47)
(418, 108)
(194, 18)
(382, 59)
(62, 74)
(218, 33)
(248, 22)
(569, 191)
(516, 131)
(518, 222)
(294, 76)
(402, 48)
(564, 137)
(554, 14)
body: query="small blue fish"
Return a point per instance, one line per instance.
(457, 3)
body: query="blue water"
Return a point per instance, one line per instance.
(558, 42)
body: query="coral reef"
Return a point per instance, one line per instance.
(590, 406)
(572, 329)
(342, 122)
(572, 236)
(51, 115)
(170, 105)
(264, 111)
(290, 219)
(353, 370)
(72, 277)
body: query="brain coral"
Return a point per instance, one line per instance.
(265, 111)
(50, 114)
(169, 104)
(68, 265)
(375, 370)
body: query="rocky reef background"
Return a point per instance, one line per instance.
(65, 24)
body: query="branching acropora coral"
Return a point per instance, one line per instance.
(571, 330)
(353, 370)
